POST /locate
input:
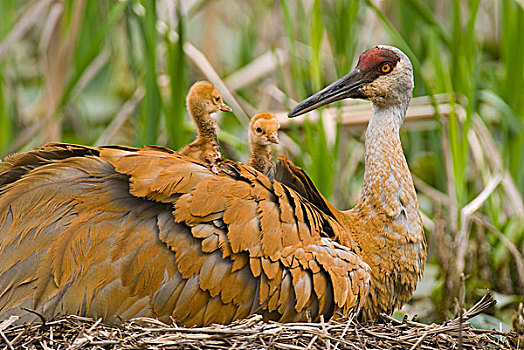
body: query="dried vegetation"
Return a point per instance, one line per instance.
(99, 72)
(75, 332)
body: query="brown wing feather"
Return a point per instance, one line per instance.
(118, 232)
(293, 176)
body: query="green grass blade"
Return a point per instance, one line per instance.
(296, 72)
(88, 51)
(341, 26)
(5, 119)
(151, 105)
(7, 8)
(317, 30)
(512, 85)
(429, 17)
(176, 67)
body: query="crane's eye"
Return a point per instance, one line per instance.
(385, 68)
(259, 130)
(217, 99)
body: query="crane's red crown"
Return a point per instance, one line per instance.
(375, 57)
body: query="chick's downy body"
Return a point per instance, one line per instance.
(203, 100)
(263, 131)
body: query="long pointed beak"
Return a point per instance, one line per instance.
(346, 87)
(225, 108)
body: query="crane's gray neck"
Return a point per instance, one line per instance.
(388, 215)
(385, 161)
(385, 119)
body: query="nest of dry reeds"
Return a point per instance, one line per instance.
(74, 332)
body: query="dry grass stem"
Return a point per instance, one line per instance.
(26, 135)
(514, 250)
(202, 63)
(33, 15)
(432, 192)
(461, 240)
(516, 200)
(121, 117)
(260, 67)
(91, 72)
(420, 115)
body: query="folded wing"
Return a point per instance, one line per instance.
(118, 232)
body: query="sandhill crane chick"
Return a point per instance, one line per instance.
(263, 131)
(202, 101)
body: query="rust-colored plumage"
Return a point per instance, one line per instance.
(263, 131)
(119, 232)
(202, 101)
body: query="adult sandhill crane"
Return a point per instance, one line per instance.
(386, 223)
(202, 101)
(118, 232)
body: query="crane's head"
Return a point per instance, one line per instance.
(263, 129)
(383, 75)
(204, 98)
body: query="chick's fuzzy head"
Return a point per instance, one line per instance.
(203, 97)
(263, 129)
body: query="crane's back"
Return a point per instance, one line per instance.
(117, 232)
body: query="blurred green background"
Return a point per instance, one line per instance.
(103, 72)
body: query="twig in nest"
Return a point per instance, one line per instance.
(482, 305)
(42, 317)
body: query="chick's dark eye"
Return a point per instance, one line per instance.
(259, 130)
(217, 99)
(385, 68)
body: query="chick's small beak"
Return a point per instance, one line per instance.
(346, 87)
(274, 139)
(225, 108)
